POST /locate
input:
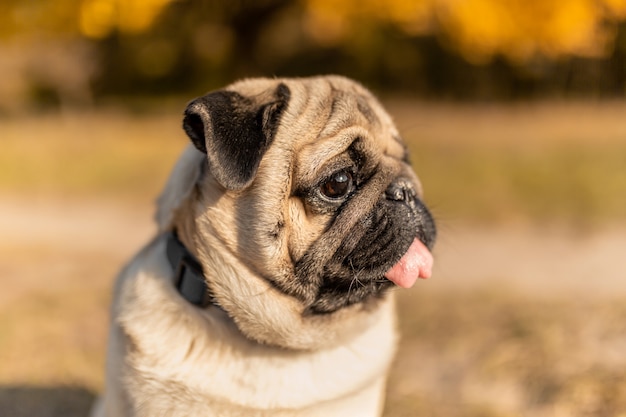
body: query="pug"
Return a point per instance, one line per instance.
(282, 232)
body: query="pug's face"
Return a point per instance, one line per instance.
(307, 186)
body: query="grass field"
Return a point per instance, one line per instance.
(75, 203)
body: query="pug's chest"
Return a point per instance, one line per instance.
(234, 381)
(174, 400)
(306, 388)
(179, 361)
(232, 377)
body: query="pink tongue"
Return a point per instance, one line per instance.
(416, 263)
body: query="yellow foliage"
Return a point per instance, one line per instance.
(615, 7)
(479, 29)
(329, 21)
(98, 18)
(517, 29)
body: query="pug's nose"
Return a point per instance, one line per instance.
(400, 191)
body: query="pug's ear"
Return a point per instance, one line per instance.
(234, 132)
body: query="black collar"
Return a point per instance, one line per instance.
(189, 279)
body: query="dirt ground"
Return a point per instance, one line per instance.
(515, 321)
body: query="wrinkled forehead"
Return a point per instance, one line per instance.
(327, 119)
(331, 104)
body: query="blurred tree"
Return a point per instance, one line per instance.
(77, 49)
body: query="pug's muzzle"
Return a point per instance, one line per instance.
(390, 245)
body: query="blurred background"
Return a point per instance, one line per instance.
(515, 115)
(77, 53)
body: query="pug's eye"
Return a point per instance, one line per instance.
(337, 186)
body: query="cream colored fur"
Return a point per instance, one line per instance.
(167, 357)
(174, 359)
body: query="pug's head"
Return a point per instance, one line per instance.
(299, 200)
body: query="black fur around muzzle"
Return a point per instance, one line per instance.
(374, 245)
